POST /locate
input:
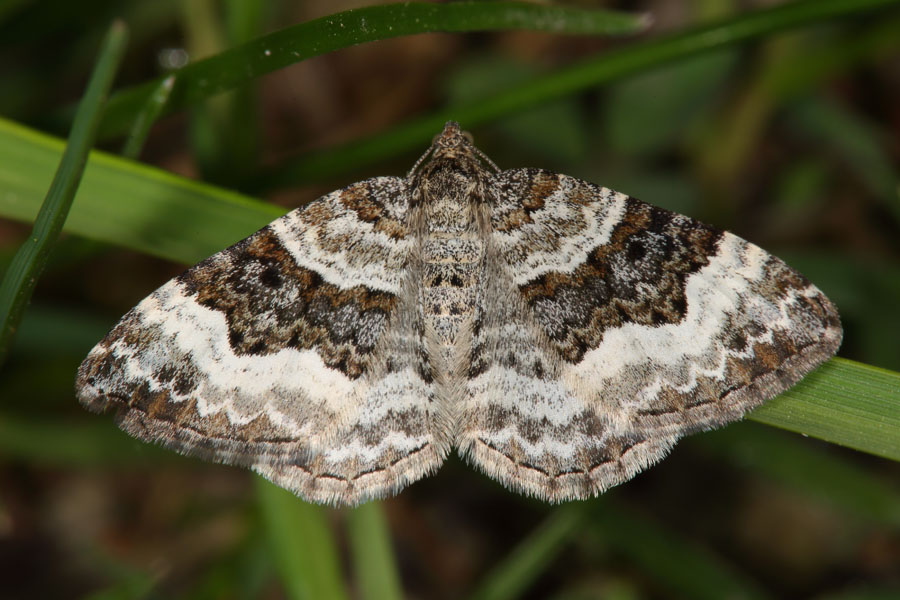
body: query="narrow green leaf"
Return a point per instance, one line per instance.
(127, 203)
(555, 131)
(635, 58)
(532, 556)
(22, 275)
(223, 131)
(687, 570)
(843, 402)
(280, 49)
(145, 119)
(373, 556)
(245, 19)
(302, 544)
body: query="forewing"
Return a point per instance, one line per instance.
(625, 327)
(292, 352)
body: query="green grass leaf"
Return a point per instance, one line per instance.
(144, 120)
(302, 544)
(126, 203)
(844, 402)
(632, 59)
(605, 525)
(28, 263)
(241, 64)
(373, 556)
(528, 560)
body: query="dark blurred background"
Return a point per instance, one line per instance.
(790, 141)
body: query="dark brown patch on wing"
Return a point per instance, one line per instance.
(540, 186)
(638, 277)
(364, 198)
(271, 303)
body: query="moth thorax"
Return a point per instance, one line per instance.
(449, 201)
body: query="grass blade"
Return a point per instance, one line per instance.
(145, 119)
(280, 49)
(28, 263)
(126, 203)
(373, 557)
(611, 66)
(844, 402)
(302, 544)
(529, 559)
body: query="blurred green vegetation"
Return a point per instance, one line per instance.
(777, 123)
(26, 266)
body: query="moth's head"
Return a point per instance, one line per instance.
(452, 138)
(452, 148)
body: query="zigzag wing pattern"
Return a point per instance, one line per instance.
(612, 328)
(295, 352)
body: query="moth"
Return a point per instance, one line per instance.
(559, 335)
